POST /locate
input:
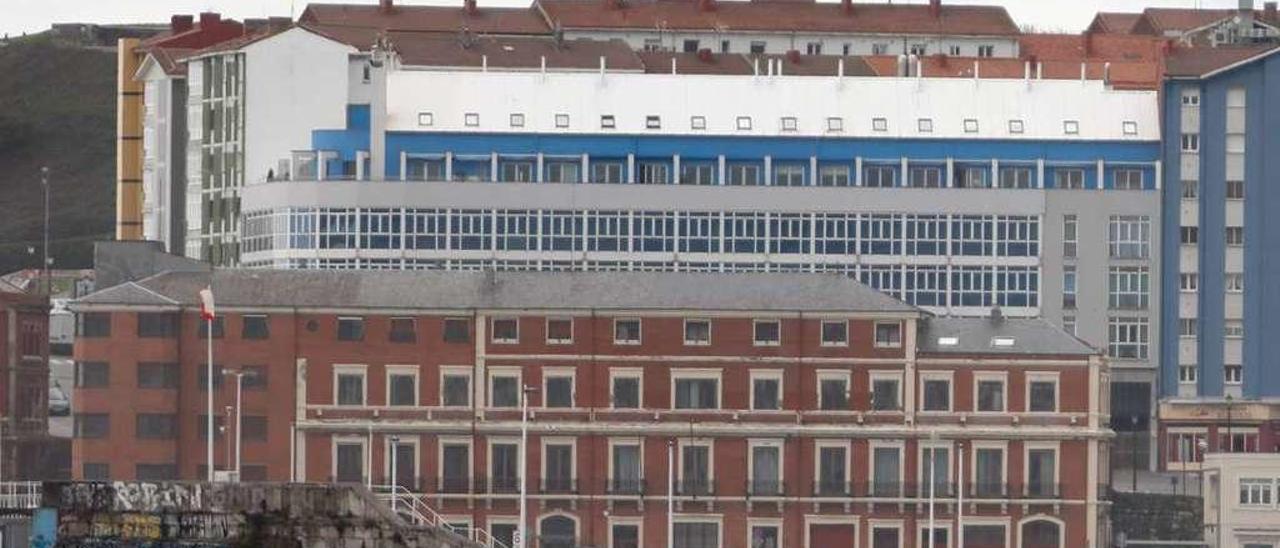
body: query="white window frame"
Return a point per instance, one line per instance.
(1003, 377)
(971, 475)
(871, 461)
(493, 331)
(1189, 282)
(897, 525)
(822, 333)
(551, 341)
(457, 371)
(624, 441)
(1027, 448)
(362, 441)
(572, 442)
(838, 375)
(709, 443)
(562, 120)
(517, 120)
(505, 371)
(401, 370)
(637, 522)
(765, 374)
(415, 441)
(756, 323)
(1043, 376)
(500, 440)
(948, 376)
(685, 332)
(776, 523)
(698, 374)
(468, 441)
(921, 446)
(1227, 379)
(426, 119)
(1233, 282)
(901, 334)
(1257, 487)
(819, 445)
(501, 520)
(776, 443)
(471, 119)
(639, 329)
(873, 376)
(923, 535)
(560, 372)
(352, 369)
(636, 373)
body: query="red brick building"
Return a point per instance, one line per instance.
(799, 410)
(24, 384)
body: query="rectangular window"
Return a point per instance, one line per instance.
(835, 125)
(349, 386)
(879, 124)
(607, 121)
(455, 388)
(986, 51)
(1015, 177)
(697, 173)
(626, 391)
(402, 388)
(1189, 235)
(96, 471)
(743, 174)
(626, 331)
(879, 176)
(653, 173)
(1190, 142)
(1187, 374)
(506, 330)
(153, 426)
(558, 389)
(1188, 327)
(788, 175)
(695, 470)
(1256, 492)
(1069, 287)
(606, 172)
(218, 328)
(1068, 179)
(743, 123)
(1235, 190)
(697, 393)
(1128, 179)
(697, 332)
(886, 471)
(833, 175)
(1235, 235)
(455, 467)
(886, 392)
(765, 468)
(888, 334)
(155, 472)
(1127, 338)
(457, 330)
(504, 468)
(925, 177)
(92, 425)
(559, 330)
(1129, 236)
(1190, 189)
(557, 467)
(402, 331)
(95, 324)
(835, 333)
(698, 122)
(833, 391)
(92, 374)
(1042, 394)
(1070, 224)
(628, 475)
(1071, 127)
(504, 390)
(833, 470)
(700, 534)
(157, 325)
(157, 375)
(970, 125)
(350, 329)
(1128, 288)
(1233, 329)
(1042, 472)
(990, 395)
(1233, 282)
(254, 327)
(988, 472)
(1188, 282)
(767, 332)
(471, 119)
(937, 394)
(924, 125)
(766, 390)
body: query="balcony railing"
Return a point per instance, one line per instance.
(454, 485)
(626, 486)
(832, 488)
(498, 484)
(765, 488)
(694, 487)
(559, 485)
(1043, 490)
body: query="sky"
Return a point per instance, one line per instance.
(18, 16)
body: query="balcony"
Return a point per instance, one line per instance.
(455, 484)
(559, 486)
(1042, 491)
(941, 489)
(694, 487)
(988, 490)
(505, 485)
(626, 486)
(832, 488)
(765, 488)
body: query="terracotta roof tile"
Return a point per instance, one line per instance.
(1159, 20)
(781, 15)
(513, 52)
(1191, 62)
(485, 20)
(1114, 23)
(1091, 46)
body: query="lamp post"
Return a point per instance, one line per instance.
(1133, 455)
(671, 487)
(524, 463)
(226, 429)
(960, 493)
(933, 459)
(1231, 448)
(44, 265)
(239, 375)
(394, 442)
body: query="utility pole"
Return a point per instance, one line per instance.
(44, 182)
(524, 464)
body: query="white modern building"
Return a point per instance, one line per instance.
(1242, 500)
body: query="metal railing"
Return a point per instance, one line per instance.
(404, 502)
(19, 495)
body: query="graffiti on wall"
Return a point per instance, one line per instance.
(140, 496)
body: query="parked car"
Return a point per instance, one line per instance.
(59, 404)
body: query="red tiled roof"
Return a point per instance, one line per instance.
(762, 15)
(1091, 46)
(237, 43)
(428, 18)
(1113, 23)
(513, 52)
(1187, 62)
(1156, 21)
(170, 59)
(202, 34)
(1123, 75)
(659, 62)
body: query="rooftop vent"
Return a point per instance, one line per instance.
(948, 341)
(935, 8)
(1002, 342)
(997, 317)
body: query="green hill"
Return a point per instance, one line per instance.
(57, 109)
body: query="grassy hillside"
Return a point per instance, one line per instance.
(57, 109)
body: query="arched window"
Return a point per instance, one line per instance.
(558, 532)
(1041, 533)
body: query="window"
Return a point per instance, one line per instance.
(833, 175)
(698, 122)
(888, 334)
(1129, 236)
(1235, 235)
(766, 332)
(155, 472)
(606, 172)
(402, 386)
(1016, 127)
(918, 50)
(92, 374)
(1235, 190)
(788, 123)
(937, 393)
(1190, 98)
(504, 470)
(1069, 324)
(471, 119)
(988, 471)
(349, 385)
(1233, 282)
(218, 328)
(1233, 328)
(788, 175)
(92, 425)
(95, 324)
(506, 330)
(1042, 393)
(697, 534)
(886, 392)
(833, 391)
(562, 120)
(254, 327)
(924, 125)
(1015, 177)
(455, 386)
(970, 125)
(886, 470)
(653, 122)
(157, 325)
(1127, 338)
(1069, 287)
(558, 389)
(626, 331)
(765, 468)
(559, 330)
(1188, 282)
(986, 50)
(1042, 472)
(626, 389)
(157, 375)
(766, 390)
(607, 122)
(1129, 127)
(925, 177)
(744, 123)
(96, 471)
(833, 469)
(765, 535)
(350, 329)
(991, 394)
(1190, 189)
(690, 46)
(700, 392)
(504, 388)
(813, 48)
(879, 176)
(1188, 327)
(1189, 235)
(154, 426)
(517, 120)
(835, 125)
(1256, 492)
(1187, 374)
(457, 330)
(757, 48)
(835, 333)
(455, 467)
(695, 469)
(1190, 142)
(1071, 127)
(1128, 179)
(879, 124)
(402, 331)
(697, 332)
(426, 119)
(880, 49)
(1128, 288)
(1068, 179)
(724, 46)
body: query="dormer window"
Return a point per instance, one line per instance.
(1002, 342)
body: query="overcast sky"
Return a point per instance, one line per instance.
(17, 16)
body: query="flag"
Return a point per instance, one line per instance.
(206, 303)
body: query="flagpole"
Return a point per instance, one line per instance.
(206, 313)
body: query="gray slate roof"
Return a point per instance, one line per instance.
(974, 335)
(507, 290)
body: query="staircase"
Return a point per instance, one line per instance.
(414, 508)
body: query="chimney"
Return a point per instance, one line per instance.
(386, 6)
(935, 8)
(848, 6)
(468, 5)
(793, 55)
(181, 23)
(706, 5)
(209, 20)
(704, 55)
(278, 23)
